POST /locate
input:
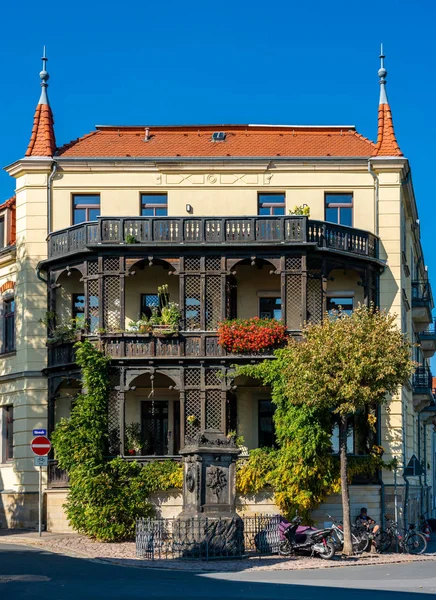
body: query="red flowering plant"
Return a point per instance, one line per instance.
(251, 335)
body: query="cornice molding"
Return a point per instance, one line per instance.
(30, 164)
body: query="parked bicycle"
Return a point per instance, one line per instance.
(410, 541)
(359, 536)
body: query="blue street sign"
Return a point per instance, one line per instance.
(39, 432)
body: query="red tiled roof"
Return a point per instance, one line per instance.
(11, 205)
(42, 140)
(241, 140)
(387, 144)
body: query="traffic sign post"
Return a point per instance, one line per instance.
(40, 446)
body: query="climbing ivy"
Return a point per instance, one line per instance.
(105, 496)
(341, 367)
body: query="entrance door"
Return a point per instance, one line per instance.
(155, 427)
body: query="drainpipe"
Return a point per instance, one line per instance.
(425, 500)
(421, 491)
(38, 274)
(54, 168)
(376, 182)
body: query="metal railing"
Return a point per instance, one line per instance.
(207, 538)
(422, 379)
(165, 231)
(421, 292)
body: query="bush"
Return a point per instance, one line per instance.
(105, 497)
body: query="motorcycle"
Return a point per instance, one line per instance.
(315, 541)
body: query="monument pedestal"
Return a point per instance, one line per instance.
(209, 517)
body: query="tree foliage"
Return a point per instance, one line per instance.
(340, 367)
(105, 496)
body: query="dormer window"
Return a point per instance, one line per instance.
(218, 136)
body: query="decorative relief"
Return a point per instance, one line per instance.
(212, 179)
(190, 478)
(216, 480)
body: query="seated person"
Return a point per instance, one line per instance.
(365, 520)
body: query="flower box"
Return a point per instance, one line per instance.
(164, 330)
(251, 335)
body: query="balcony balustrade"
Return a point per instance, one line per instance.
(127, 345)
(427, 339)
(421, 293)
(167, 231)
(423, 392)
(422, 302)
(422, 379)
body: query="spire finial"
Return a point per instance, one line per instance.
(382, 74)
(44, 76)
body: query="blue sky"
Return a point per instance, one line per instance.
(139, 62)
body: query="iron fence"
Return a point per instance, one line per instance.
(207, 538)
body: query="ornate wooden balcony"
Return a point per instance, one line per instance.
(189, 344)
(210, 231)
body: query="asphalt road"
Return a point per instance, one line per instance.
(28, 573)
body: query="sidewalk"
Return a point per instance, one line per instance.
(125, 554)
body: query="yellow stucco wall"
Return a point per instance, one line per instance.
(215, 190)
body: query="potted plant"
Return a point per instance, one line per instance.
(63, 333)
(143, 325)
(301, 211)
(131, 239)
(168, 321)
(163, 295)
(133, 439)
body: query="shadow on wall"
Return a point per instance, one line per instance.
(18, 511)
(388, 288)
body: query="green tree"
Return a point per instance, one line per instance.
(340, 367)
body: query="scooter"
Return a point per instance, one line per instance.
(314, 541)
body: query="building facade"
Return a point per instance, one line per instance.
(100, 229)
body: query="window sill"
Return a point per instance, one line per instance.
(8, 354)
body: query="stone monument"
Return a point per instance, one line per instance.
(209, 492)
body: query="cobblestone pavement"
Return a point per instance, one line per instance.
(124, 554)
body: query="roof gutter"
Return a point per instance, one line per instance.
(209, 159)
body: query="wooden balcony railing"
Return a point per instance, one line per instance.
(166, 231)
(136, 346)
(57, 477)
